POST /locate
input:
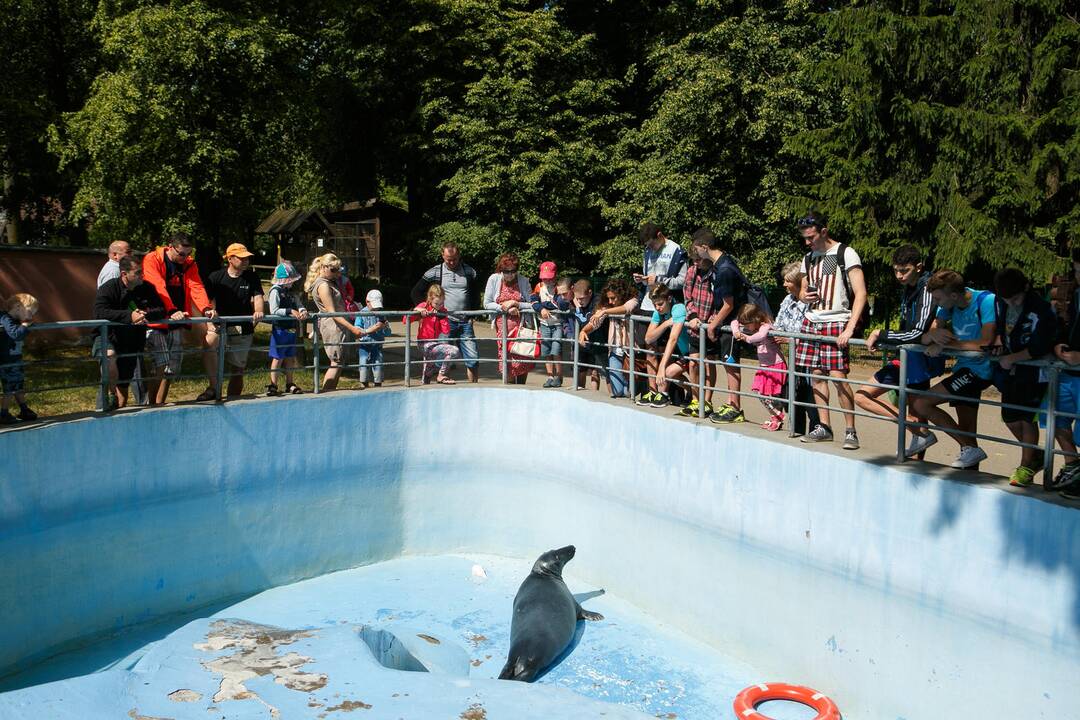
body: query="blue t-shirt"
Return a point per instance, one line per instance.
(677, 315)
(366, 319)
(966, 324)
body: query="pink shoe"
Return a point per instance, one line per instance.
(774, 423)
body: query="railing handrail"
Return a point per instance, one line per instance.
(312, 316)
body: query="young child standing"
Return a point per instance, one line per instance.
(547, 302)
(283, 335)
(752, 326)
(375, 329)
(15, 318)
(432, 336)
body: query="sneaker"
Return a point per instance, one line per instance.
(709, 409)
(550, 383)
(1022, 477)
(1072, 492)
(1066, 476)
(558, 382)
(659, 400)
(919, 443)
(851, 439)
(970, 456)
(206, 395)
(26, 413)
(820, 433)
(644, 398)
(7, 418)
(272, 390)
(690, 410)
(727, 414)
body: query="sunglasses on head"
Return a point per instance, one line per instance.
(808, 221)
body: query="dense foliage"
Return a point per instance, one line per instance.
(554, 128)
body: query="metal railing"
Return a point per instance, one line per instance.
(504, 337)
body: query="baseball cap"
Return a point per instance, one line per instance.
(547, 270)
(375, 298)
(237, 250)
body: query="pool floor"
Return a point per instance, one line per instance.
(297, 651)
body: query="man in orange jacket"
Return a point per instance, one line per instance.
(171, 270)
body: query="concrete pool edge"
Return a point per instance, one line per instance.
(931, 541)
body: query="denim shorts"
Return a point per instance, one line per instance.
(550, 335)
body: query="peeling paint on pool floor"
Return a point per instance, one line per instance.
(296, 651)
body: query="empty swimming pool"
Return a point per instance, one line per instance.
(280, 532)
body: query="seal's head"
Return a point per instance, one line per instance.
(552, 562)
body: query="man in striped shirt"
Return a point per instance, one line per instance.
(917, 312)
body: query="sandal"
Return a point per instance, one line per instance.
(443, 380)
(294, 389)
(272, 390)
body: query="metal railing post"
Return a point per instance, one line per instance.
(901, 408)
(104, 345)
(504, 360)
(577, 349)
(222, 339)
(793, 380)
(408, 351)
(702, 370)
(1051, 427)
(633, 365)
(316, 337)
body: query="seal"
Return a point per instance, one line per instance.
(545, 618)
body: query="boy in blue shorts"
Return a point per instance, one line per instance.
(966, 320)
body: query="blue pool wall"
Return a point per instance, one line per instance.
(901, 595)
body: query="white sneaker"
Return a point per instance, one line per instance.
(969, 457)
(920, 443)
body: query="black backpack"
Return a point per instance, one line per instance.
(755, 294)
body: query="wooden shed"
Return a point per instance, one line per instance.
(360, 233)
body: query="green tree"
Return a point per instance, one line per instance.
(200, 120)
(725, 94)
(953, 125)
(526, 131)
(50, 58)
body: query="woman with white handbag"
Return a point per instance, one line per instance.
(507, 292)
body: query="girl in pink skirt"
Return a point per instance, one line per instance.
(752, 327)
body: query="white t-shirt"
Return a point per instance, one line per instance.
(823, 272)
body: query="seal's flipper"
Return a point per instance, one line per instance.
(583, 614)
(582, 597)
(516, 669)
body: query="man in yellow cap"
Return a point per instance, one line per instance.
(235, 290)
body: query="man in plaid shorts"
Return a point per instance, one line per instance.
(834, 288)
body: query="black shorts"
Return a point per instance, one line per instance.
(712, 347)
(890, 375)
(728, 348)
(1022, 388)
(965, 384)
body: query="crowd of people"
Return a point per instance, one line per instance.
(687, 313)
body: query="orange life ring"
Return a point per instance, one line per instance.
(747, 701)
